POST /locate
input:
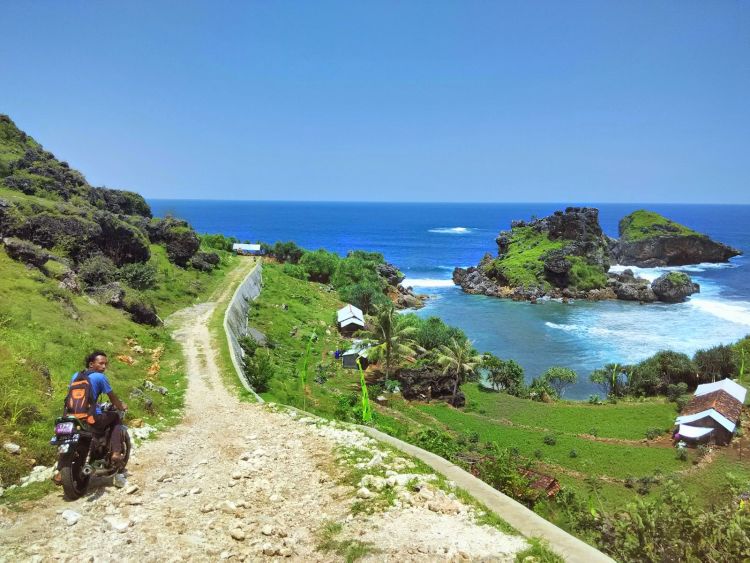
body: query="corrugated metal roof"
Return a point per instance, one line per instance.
(349, 311)
(686, 431)
(728, 424)
(352, 321)
(727, 385)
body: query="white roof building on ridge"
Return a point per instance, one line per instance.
(727, 385)
(348, 312)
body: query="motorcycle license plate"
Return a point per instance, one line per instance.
(64, 448)
(64, 428)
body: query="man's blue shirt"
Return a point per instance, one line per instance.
(99, 385)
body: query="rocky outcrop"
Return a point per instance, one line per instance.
(180, 240)
(26, 252)
(628, 287)
(674, 287)
(110, 294)
(670, 250)
(648, 239)
(425, 384)
(566, 255)
(390, 273)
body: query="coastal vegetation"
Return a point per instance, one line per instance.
(613, 458)
(643, 224)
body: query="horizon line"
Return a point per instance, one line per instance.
(569, 203)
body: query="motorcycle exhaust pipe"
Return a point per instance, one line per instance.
(87, 470)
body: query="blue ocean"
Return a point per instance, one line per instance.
(427, 240)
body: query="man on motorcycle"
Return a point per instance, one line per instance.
(96, 365)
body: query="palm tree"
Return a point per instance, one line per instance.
(461, 359)
(390, 337)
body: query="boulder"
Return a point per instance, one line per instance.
(205, 261)
(180, 240)
(628, 287)
(390, 273)
(670, 250)
(26, 252)
(674, 287)
(142, 313)
(110, 294)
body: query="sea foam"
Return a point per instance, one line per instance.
(427, 282)
(452, 230)
(737, 312)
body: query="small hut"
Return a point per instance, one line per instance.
(350, 319)
(356, 352)
(712, 416)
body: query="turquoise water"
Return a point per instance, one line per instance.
(428, 240)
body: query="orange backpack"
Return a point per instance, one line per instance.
(79, 401)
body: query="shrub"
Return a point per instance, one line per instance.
(595, 400)
(294, 271)
(594, 431)
(437, 442)
(138, 275)
(345, 404)
(653, 433)
(285, 251)
(217, 242)
(682, 454)
(319, 265)
(550, 440)
(97, 270)
(258, 369)
(502, 470)
(366, 295)
(538, 453)
(682, 401)
(675, 391)
(573, 453)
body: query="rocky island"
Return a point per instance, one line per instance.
(566, 255)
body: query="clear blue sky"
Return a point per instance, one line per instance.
(589, 101)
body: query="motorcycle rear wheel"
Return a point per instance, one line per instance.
(125, 447)
(74, 482)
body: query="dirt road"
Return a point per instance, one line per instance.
(241, 481)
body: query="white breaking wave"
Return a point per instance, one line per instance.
(452, 230)
(737, 312)
(427, 282)
(652, 273)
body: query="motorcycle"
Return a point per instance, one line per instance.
(84, 452)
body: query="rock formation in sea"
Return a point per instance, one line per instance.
(648, 240)
(566, 255)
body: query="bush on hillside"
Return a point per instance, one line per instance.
(217, 242)
(97, 270)
(320, 265)
(295, 271)
(205, 261)
(283, 251)
(366, 295)
(138, 275)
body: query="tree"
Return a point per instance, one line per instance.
(716, 363)
(654, 374)
(503, 374)
(560, 378)
(319, 265)
(461, 359)
(611, 379)
(391, 338)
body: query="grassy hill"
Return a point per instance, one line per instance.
(63, 239)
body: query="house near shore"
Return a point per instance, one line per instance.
(713, 414)
(246, 249)
(350, 319)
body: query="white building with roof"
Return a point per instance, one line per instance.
(350, 319)
(241, 248)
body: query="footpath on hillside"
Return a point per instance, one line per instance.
(242, 481)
